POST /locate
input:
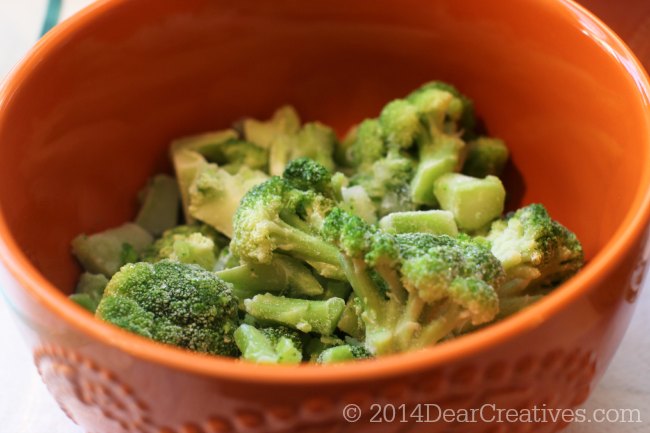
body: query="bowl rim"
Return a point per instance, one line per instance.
(631, 228)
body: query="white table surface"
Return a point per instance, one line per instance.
(26, 406)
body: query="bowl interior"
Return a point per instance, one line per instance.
(92, 116)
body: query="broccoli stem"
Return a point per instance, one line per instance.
(302, 245)
(301, 314)
(283, 274)
(439, 328)
(254, 345)
(439, 157)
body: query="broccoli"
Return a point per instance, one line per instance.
(485, 156)
(89, 291)
(460, 116)
(106, 252)
(436, 222)
(159, 205)
(382, 169)
(474, 202)
(285, 120)
(215, 194)
(536, 251)
(314, 140)
(196, 243)
(284, 275)
(231, 154)
(188, 161)
(355, 200)
(414, 289)
(173, 303)
(304, 315)
(306, 174)
(277, 217)
(273, 345)
(350, 321)
(342, 353)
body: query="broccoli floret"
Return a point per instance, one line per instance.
(355, 200)
(314, 140)
(284, 275)
(485, 156)
(173, 303)
(275, 216)
(414, 289)
(196, 243)
(159, 205)
(215, 194)
(343, 353)
(273, 345)
(536, 251)
(285, 120)
(306, 174)
(106, 252)
(89, 291)
(460, 116)
(304, 315)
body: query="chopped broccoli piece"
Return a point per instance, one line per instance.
(285, 120)
(233, 153)
(304, 315)
(274, 345)
(106, 252)
(351, 322)
(356, 201)
(314, 140)
(215, 194)
(89, 291)
(485, 156)
(160, 204)
(275, 216)
(173, 303)
(283, 275)
(436, 222)
(474, 202)
(342, 353)
(306, 174)
(188, 161)
(226, 260)
(186, 244)
(536, 251)
(414, 289)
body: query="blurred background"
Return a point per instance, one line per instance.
(25, 405)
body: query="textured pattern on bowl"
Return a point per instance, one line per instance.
(86, 118)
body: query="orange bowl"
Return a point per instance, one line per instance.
(88, 115)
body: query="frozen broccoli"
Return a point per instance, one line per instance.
(273, 345)
(343, 353)
(89, 291)
(277, 217)
(314, 140)
(536, 251)
(285, 120)
(304, 315)
(173, 303)
(414, 289)
(215, 194)
(106, 252)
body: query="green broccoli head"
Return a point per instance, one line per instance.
(306, 174)
(414, 289)
(460, 109)
(173, 303)
(432, 263)
(276, 216)
(536, 251)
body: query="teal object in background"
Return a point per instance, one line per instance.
(52, 14)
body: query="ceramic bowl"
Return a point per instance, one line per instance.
(88, 115)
